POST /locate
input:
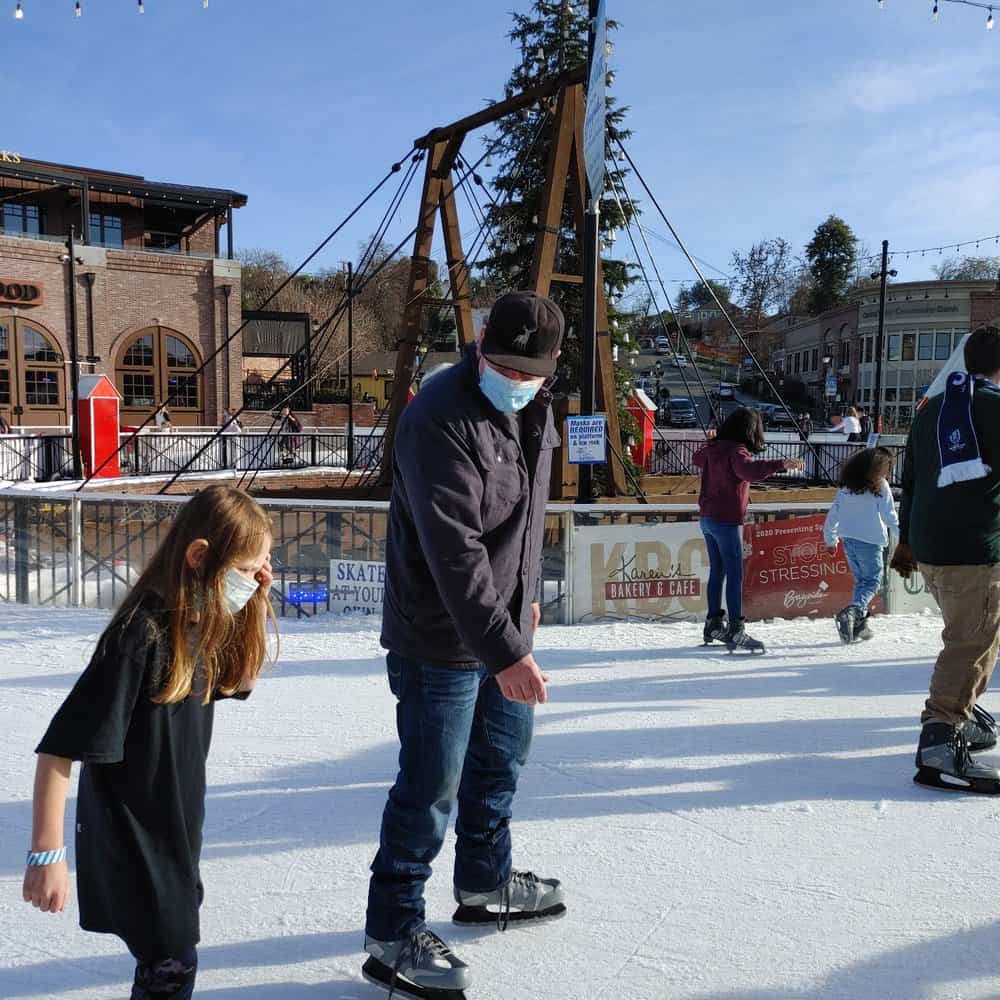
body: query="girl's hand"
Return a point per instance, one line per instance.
(794, 464)
(46, 887)
(265, 576)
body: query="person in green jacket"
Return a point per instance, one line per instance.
(950, 531)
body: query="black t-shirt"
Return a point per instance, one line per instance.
(141, 800)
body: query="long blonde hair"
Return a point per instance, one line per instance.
(231, 648)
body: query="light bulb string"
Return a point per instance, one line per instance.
(923, 251)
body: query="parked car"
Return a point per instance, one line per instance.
(646, 343)
(766, 411)
(662, 345)
(727, 391)
(681, 412)
(678, 361)
(780, 420)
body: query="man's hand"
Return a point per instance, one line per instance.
(536, 616)
(46, 887)
(903, 561)
(523, 681)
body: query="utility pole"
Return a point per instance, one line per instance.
(882, 275)
(350, 366)
(74, 360)
(592, 220)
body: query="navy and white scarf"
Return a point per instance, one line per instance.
(957, 442)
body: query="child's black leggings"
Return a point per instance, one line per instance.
(168, 979)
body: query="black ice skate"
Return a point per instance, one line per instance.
(862, 630)
(846, 623)
(526, 898)
(716, 627)
(980, 731)
(739, 640)
(943, 761)
(419, 967)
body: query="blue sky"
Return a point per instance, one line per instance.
(751, 119)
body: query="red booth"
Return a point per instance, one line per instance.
(97, 410)
(643, 410)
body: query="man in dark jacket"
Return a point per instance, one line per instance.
(952, 533)
(471, 471)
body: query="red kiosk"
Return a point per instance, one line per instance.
(97, 411)
(643, 411)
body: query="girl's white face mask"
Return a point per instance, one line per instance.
(238, 590)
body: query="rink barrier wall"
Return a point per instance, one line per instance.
(86, 550)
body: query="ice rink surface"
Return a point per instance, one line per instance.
(726, 828)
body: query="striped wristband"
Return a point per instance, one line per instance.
(39, 858)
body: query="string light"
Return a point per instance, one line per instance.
(934, 12)
(204, 4)
(881, 4)
(19, 12)
(142, 7)
(79, 9)
(989, 20)
(940, 249)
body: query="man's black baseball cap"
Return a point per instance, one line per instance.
(524, 332)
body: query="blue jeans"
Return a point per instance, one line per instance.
(459, 738)
(725, 560)
(865, 560)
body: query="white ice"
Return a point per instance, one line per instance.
(726, 828)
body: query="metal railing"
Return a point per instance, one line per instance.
(674, 456)
(39, 457)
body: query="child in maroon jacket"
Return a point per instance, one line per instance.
(727, 470)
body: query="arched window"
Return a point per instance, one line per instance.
(155, 365)
(32, 376)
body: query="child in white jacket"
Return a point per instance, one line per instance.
(864, 516)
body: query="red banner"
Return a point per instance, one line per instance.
(788, 572)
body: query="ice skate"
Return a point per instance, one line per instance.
(526, 898)
(980, 731)
(846, 622)
(419, 967)
(862, 630)
(739, 640)
(943, 761)
(716, 627)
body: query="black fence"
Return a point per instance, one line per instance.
(824, 462)
(38, 457)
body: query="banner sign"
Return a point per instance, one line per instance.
(594, 125)
(652, 571)
(788, 572)
(910, 597)
(586, 440)
(356, 588)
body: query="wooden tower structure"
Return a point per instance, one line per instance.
(565, 177)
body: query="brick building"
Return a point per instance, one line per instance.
(156, 293)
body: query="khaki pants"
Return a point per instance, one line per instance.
(969, 599)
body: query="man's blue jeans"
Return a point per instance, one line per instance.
(865, 560)
(459, 738)
(725, 561)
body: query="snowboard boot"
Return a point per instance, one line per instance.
(980, 731)
(738, 639)
(862, 630)
(419, 966)
(716, 628)
(943, 761)
(846, 622)
(526, 898)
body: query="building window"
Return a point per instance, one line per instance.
(164, 242)
(815, 360)
(925, 347)
(869, 341)
(41, 388)
(909, 346)
(845, 354)
(39, 348)
(798, 363)
(25, 220)
(942, 346)
(156, 365)
(106, 230)
(893, 354)
(5, 386)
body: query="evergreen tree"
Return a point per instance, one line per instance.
(550, 39)
(831, 253)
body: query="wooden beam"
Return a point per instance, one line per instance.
(554, 192)
(420, 265)
(488, 115)
(458, 271)
(567, 279)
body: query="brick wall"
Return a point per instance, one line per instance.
(984, 308)
(133, 291)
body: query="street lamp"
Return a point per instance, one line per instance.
(882, 276)
(826, 391)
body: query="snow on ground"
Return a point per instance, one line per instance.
(727, 829)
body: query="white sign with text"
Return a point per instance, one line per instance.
(356, 588)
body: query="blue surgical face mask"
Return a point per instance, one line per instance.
(238, 590)
(508, 395)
